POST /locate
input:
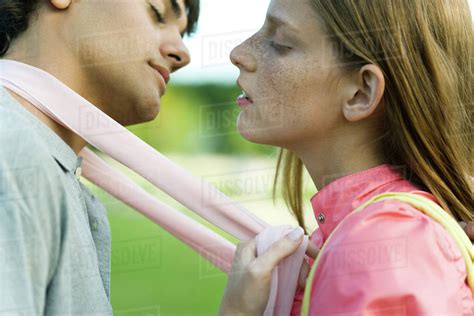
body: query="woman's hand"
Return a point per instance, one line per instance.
(249, 281)
(248, 287)
(469, 229)
(312, 251)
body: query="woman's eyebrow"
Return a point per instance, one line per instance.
(277, 21)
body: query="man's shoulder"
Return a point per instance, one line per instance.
(20, 142)
(16, 128)
(19, 137)
(26, 164)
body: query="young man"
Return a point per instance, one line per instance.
(54, 234)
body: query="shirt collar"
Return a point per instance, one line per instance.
(339, 198)
(61, 151)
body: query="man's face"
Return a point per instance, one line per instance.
(126, 50)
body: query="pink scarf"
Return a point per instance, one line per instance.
(71, 110)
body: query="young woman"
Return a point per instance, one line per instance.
(369, 97)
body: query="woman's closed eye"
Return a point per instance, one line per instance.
(280, 48)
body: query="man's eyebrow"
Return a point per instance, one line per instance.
(176, 8)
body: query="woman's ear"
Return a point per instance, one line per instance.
(61, 4)
(369, 93)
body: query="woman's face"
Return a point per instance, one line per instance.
(290, 73)
(126, 51)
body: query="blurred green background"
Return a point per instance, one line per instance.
(152, 272)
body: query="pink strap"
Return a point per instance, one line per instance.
(217, 250)
(285, 276)
(74, 112)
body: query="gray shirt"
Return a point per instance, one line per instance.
(54, 234)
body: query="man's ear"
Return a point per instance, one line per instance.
(369, 92)
(61, 4)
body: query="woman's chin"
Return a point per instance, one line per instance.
(248, 135)
(255, 135)
(264, 134)
(246, 130)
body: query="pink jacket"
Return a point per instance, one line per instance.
(389, 259)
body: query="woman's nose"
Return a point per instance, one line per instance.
(242, 57)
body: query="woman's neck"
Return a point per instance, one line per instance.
(333, 159)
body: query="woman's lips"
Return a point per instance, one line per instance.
(244, 101)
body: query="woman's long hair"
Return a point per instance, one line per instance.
(425, 50)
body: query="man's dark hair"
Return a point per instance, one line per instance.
(16, 14)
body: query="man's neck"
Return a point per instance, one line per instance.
(69, 137)
(69, 76)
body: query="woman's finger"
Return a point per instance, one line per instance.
(469, 229)
(245, 253)
(279, 250)
(303, 275)
(312, 250)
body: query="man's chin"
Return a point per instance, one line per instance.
(142, 115)
(150, 114)
(148, 111)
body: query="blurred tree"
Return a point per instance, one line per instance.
(198, 119)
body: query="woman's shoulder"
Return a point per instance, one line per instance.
(401, 224)
(391, 254)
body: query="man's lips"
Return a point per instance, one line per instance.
(162, 70)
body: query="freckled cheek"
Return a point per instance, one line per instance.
(284, 91)
(275, 85)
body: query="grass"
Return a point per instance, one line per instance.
(155, 274)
